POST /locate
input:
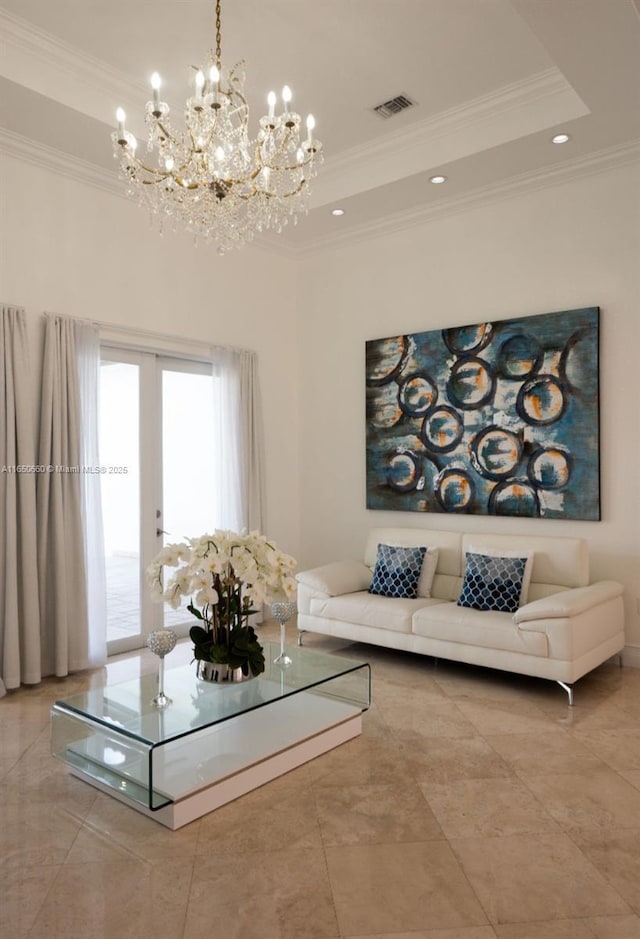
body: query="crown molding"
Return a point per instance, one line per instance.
(31, 56)
(26, 150)
(64, 164)
(22, 148)
(601, 161)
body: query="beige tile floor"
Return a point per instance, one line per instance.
(475, 805)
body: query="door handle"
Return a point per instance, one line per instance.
(161, 531)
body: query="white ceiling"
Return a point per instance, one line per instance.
(493, 81)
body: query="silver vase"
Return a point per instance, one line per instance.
(220, 673)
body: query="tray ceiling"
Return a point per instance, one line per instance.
(493, 80)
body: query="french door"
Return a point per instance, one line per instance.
(158, 482)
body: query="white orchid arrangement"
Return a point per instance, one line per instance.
(227, 577)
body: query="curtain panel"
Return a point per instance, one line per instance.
(240, 445)
(88, 364)
(52, 573)
(48, 501)
(19, 597)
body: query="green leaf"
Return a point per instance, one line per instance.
(220, 655)
(202, 641)
(199, 635)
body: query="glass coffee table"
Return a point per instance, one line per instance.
(213, 743)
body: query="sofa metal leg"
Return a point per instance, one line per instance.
(569, 690)
(620, 662)
(300, 635)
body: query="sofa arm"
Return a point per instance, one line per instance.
(337, 578)
(567, 603)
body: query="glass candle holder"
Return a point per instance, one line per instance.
(161, 642)
(282, 612)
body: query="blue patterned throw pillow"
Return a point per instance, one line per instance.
(397, 571)
(492, 583)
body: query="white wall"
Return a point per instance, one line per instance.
(68, 248)
(564, 247)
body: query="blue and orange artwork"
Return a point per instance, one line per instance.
(499, 418)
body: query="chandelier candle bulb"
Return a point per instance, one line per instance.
(286, 97)
(214, 78)
(121, 117)
(155, 84)
(311, 123)
(199, 85)
(271, 100)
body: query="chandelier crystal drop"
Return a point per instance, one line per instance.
(211, 178)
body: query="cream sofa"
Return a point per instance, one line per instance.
(566, 627)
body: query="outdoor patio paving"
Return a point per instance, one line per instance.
(123, 599)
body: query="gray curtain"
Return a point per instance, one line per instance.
(61, 563)
(19, 603)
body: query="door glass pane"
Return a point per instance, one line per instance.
(188, 467)
(119, 447)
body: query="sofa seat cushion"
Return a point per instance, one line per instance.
(367, 609)
(452, 623)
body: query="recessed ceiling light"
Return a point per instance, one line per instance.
(560, 138)
(337, 211)
(437, 180)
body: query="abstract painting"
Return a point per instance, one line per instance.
(500, 418)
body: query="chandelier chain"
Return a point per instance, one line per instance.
(218, 36)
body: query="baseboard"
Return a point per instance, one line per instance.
(631, 656)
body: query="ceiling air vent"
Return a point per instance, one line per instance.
(394, 106)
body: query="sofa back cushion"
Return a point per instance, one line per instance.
(558, 563)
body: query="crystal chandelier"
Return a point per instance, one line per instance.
(211, 178)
